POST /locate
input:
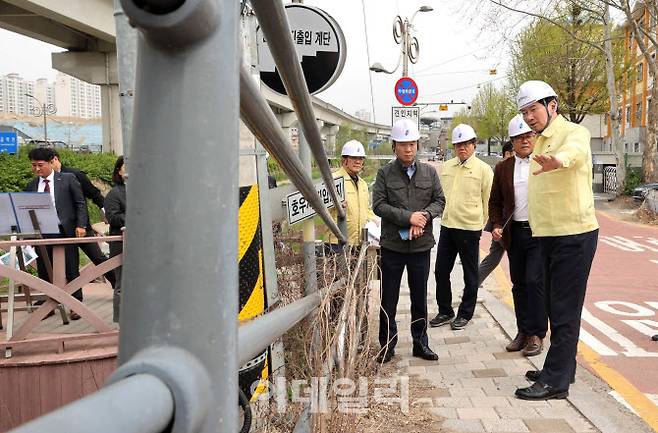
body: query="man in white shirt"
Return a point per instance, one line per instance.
(508, 211)
(66, 193)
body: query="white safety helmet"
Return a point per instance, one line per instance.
(533, 91)
(353, 148)
(405, 130)
(462, 133)
(517, 126)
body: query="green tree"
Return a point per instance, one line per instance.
(347, 133)
(492, 110)
(566, 56)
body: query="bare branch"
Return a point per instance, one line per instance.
(542, 17)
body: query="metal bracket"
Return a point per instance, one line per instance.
(184, 375)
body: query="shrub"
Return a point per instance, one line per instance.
(633, 179)
(15, 171)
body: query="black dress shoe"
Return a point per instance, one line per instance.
(541, 391)
(424, 352)
(458, 323)
(533, 376)
(385, 356)
(441, 319)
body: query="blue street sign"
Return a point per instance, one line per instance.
(8, 142)
(406, 91)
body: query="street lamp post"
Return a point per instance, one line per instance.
(409, 47)
(43, 110)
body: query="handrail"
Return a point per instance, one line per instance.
(258, 117)
(272, 19)
(60, 241)
(140, 403)
(256, 335)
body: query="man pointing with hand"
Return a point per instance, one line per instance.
(561, 214)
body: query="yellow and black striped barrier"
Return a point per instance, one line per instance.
(252, 289)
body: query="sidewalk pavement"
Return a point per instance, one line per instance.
(475, 378)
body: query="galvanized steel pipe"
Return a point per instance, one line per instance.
(180, 272)
(256, 335)
(258, 117)
(140, 404)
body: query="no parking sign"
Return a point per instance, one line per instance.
(406, 91)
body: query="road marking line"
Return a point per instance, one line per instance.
(619, 220)
(645, 408)
(654, 261)
(645, 326)
(631, 350)
(596, 344)
(641, 404)
(622, 400)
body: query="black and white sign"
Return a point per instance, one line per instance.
(412, 113)
(320, 47)
(298, 207)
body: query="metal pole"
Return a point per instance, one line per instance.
(405, 48)
(308, 244)
(126, 40)
(45, 129)
(180, 271)
(141, 403)
(272, 18)
(260, 120)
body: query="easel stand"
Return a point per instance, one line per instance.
(16, 253)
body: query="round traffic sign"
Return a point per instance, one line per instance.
(320, 46)
(406, 91)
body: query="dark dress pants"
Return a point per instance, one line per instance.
(489, 263)
(527, 273)
(466, 243)
(93, 251)
(567, 261)
(116, 248)
(72, 263)
(418, 270)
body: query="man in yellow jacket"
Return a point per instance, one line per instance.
(357, 198)
(466, 182)
(561, 214)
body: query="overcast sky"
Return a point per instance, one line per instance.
(455, 55)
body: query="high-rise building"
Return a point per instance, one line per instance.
(44, 91)
(76, 98)
(72, 97)
(12, 94)
(363, 114)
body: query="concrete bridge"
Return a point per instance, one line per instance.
(86, 29)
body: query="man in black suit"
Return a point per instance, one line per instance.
(66, 194)
(92, 250)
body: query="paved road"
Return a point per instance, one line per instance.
(621, 310)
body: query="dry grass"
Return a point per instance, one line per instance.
(335, 344)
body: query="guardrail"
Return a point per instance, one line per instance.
(179, 352)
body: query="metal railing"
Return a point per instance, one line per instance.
(179, 352)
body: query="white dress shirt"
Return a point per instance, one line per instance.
(51, 184)
(521, 173)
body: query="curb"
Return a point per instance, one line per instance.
(589, 395)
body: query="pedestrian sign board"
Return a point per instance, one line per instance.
(8, 142)
(320, 46)
(412, 113)
(299, 209)
(406, 91)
